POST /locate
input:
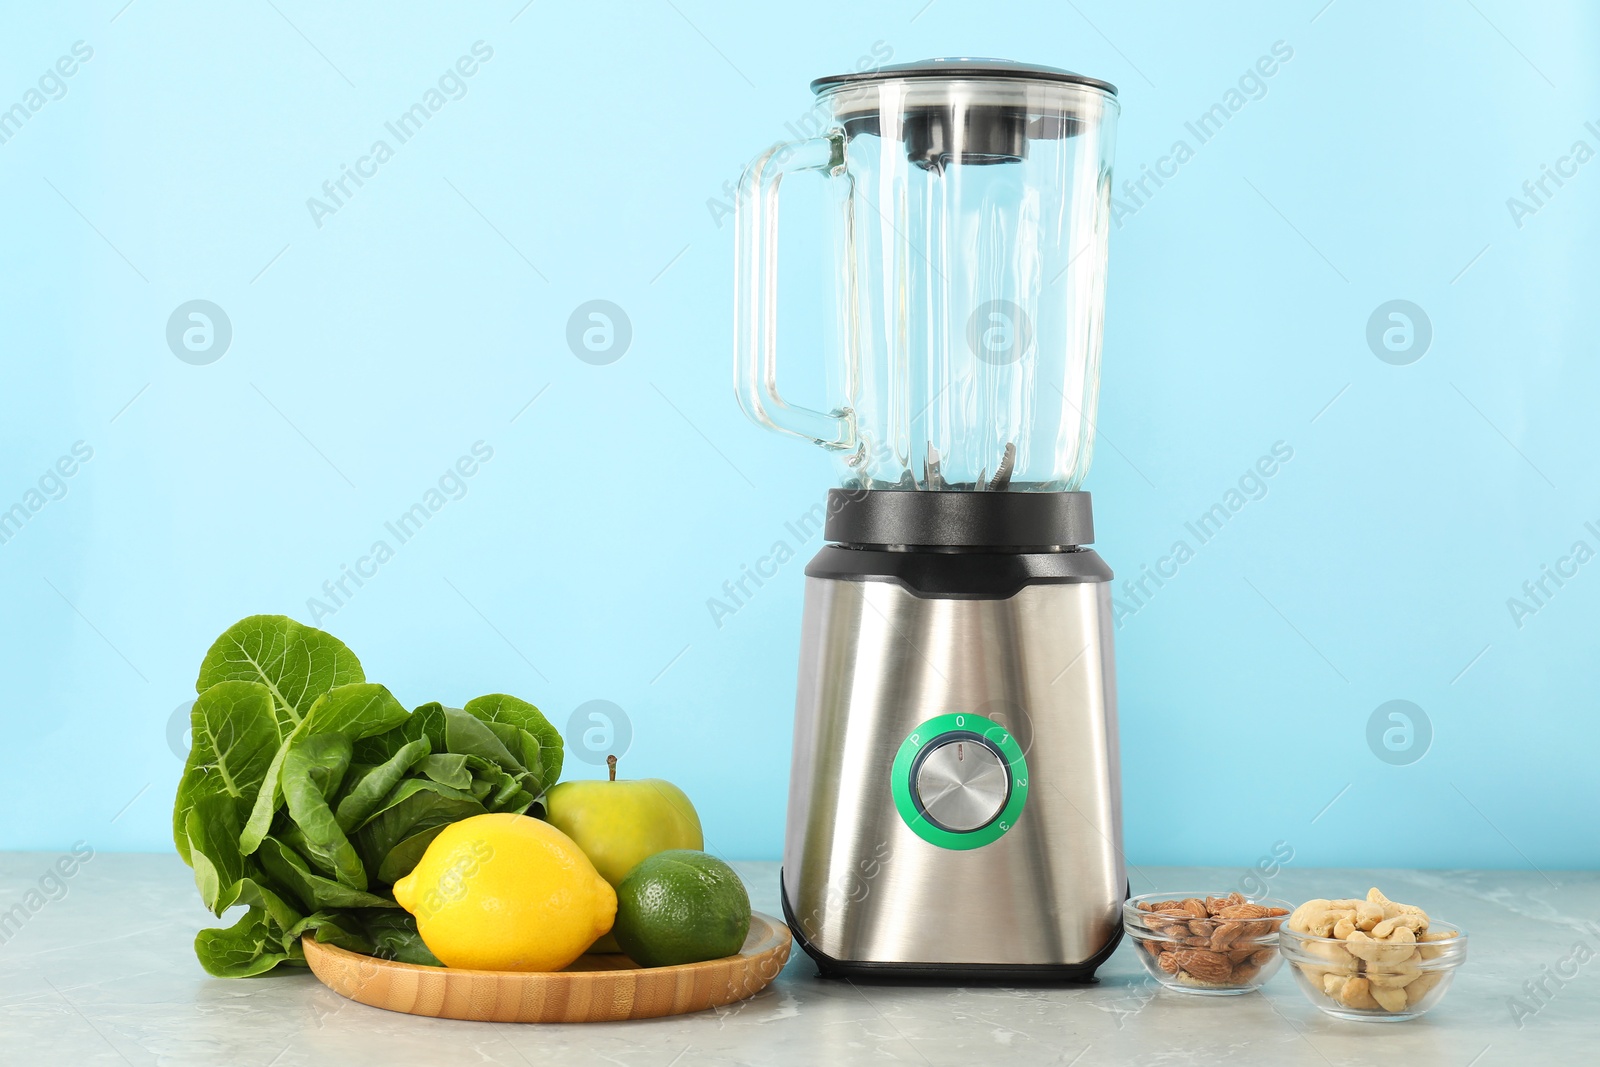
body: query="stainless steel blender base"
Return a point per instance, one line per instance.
(872, 882)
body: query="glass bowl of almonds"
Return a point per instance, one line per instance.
(1371, 960)
(1211, 945)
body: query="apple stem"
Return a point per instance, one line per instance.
(611, 765)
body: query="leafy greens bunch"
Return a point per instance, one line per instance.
(310, 791)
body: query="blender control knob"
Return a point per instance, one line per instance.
(962, 784)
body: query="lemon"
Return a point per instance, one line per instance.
(506, 892)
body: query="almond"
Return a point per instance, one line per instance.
(1196, 907)
(1244, 911)
(1171, 927)
(1168, 962)
(1227, 933)
(1201, 964)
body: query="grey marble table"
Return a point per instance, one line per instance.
(105, 974)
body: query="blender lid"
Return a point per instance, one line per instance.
(963, 68)
(966, 111)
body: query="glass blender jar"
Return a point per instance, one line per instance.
(954, 791)
(970, 216)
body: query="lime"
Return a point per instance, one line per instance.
(681, 906)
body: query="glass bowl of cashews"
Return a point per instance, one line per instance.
(1372, 960)
(1208, 944)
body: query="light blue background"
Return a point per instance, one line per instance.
(428, 311)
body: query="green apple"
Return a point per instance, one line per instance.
(621, 824)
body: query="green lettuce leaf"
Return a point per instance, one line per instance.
(355, 712)
(375, 783)
(418, 805)
(394, 937)
(498, 707)
(249, 947)
(308, 792)
(296, 663)
(403, 857)
(314, 766)
(312, 891)
(427, 721)
(235, 739)
(219, 868)
(447, 768)
(470, 736)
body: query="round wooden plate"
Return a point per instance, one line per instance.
(600, 988)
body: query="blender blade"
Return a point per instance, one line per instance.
(930, 470)
(1002, 475)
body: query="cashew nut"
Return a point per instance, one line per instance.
(1390, 999)
(1391, 909)
(1428, 953)
(1337, 956)
(1315, 975)
(1332, 960)
(1307, 915)
(1395, 976)
(1368, 915)
(1399, 947)
(1374, 961)
(1422, 986)
(1318, 917)
(1383, 930)
(1352, 992)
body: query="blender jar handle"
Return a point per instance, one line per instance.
(755, 274)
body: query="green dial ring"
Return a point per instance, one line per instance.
(929, 733)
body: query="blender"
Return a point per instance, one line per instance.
(954, 794)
